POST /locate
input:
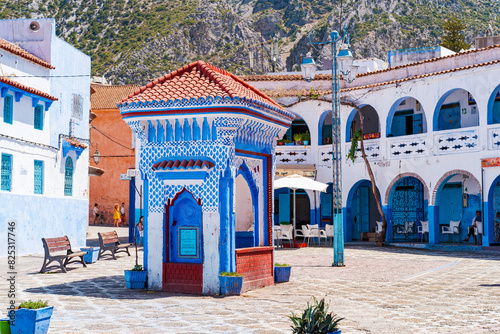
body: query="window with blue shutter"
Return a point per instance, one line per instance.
(6, 177)
(68, 177)
(38, 117)
(38, 177)
(7, 109)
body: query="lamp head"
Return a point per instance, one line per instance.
(308, 68)
(96, 156)
(344, 60)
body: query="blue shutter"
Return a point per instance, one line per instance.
(6, 177)
(7, 109)
(68, 177)
(38, 177)
(38, 117)
(496, 112)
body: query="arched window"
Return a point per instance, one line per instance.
(68, 177)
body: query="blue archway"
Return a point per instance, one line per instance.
(449, 116)
(419, 121)
(244, 171)
(494, 106)
(361, 211)
(323, 132)
(491, 208)
(370, 125)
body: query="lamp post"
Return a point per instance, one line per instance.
(343, 61)
(96, 156)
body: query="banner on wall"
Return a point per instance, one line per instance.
(490, 162)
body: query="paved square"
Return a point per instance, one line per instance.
(381, 290)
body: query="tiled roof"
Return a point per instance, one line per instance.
(200, 80)
(183, 164)
(17, 50)
(75, 143)
(107, 96)
(27, 88)
(324, 76)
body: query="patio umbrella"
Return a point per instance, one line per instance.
(295, 182)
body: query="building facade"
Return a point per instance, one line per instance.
(431, 134)
(44, 112)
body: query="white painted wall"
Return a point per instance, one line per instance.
(244, 207)
(211, 235)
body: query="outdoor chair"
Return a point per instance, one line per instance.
(286, 233)
(314, 232)
(304, 233)
(277, 232)
(422, 229)
(453, 228)
(478, 233)
(327, 232)
(405, 229)
(378, 229)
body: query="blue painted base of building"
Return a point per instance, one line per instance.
(446, 247)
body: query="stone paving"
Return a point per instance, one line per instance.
(389, 290)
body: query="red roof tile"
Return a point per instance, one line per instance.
(200, 80)
(183, 164)
(17, 50)
(27, 88)
(107, 96)
(75, 143)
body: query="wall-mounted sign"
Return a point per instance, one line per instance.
(188, 243)
(490, 162)
(133, 172)
(124, 177)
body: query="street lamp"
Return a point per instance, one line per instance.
(96, 156)
(343, 62)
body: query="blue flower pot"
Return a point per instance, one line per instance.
(136, 279)
(230, 285)
(282, 274)
(92, 255)
(31, 321)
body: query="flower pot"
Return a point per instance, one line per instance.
(306, 142)
(92, 254)
(282, 274)
(5, 326)
(31, 321)
(136, 279)
(280, 143)
(230, 285)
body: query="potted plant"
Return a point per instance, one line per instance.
(287, 142)
(315, 319)
(282, 272)
(137, 277)
(31, 318)
(298, 138)
(281, 142)
(230, 283)
(306, 137)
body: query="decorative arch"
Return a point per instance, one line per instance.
(352, 117)
(392, 112)
(321, 121)
(68, 177)
(439, 105)
(244, 171)
(388, 192)
(450, 174)
(297, 127)
(493, 116)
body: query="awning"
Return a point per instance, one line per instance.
(94, 171)
(70, 144)
(302, 170)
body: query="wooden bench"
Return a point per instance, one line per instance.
(108, 238)
(53, 245)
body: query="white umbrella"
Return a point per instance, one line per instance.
(295, 182)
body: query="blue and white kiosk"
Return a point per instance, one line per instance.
(206, 158)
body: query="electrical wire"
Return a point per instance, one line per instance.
(107, 136)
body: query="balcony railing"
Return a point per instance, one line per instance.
(456, 141)
(372, 150)
(409, 147)
(293, 155)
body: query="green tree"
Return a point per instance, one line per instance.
(453, 37)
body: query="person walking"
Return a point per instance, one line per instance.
(96, 213)
(122, 214)
(475, 220)
(116, 216)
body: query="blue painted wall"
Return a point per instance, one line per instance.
(43, 217)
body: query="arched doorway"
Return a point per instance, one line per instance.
(283, 209)
(247, 225)
(371, 123)
(458, 197)
(406, 117)
(456, 109)
(298, 133)
(362, 210)
(494, 107)
(326, 206)
(325, 129)
(408, 206)
(493, 208)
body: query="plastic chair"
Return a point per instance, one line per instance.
(378, 228)
(423, 228)
(453, 228)
(277, 232)
(286, 233)
(478, 231)
(314, 232)
(304, 233)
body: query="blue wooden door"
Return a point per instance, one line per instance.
(361, 220)
(449, 117)
(450, 204)
(496, 112)
(284, 208)
(185, 230)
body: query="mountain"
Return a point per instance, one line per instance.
(133, 41)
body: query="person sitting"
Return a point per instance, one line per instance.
(476, 219)
(497, 226)
(140, 230)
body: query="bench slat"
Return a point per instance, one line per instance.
(58, 249)
(109, 241)
(58, 243)
(56, 239)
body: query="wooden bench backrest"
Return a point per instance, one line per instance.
(109, 237)
(58, 244)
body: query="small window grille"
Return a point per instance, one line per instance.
(68, 177)
(6, 177)
(38, 177)
(77, 106)
(7, 109)
(39, 117)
